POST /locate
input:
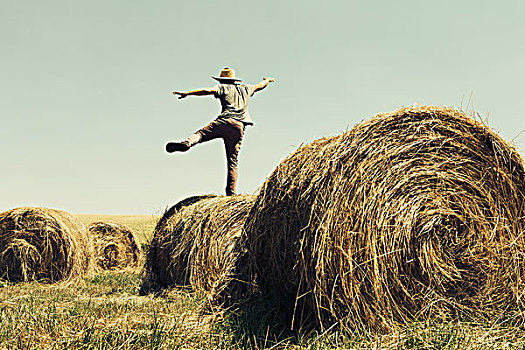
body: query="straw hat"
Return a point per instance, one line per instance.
(227, 74)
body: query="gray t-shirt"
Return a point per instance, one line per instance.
(234, 101)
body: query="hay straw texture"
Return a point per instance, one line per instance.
(195, 242)
(410, 214)
(116, 246)
(43, 244)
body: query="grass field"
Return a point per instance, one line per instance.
(105, 311)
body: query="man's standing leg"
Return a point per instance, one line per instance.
(232, 143)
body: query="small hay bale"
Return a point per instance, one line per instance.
(410, 214)
(43, 244)
(116, 246)
(195, 243)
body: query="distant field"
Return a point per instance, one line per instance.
(142, 225)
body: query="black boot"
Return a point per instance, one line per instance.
(177, 146)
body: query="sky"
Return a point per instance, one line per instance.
(85, 86)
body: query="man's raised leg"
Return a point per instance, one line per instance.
(185, 145)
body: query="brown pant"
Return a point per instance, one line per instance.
(232, 132)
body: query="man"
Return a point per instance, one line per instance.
(230, 123)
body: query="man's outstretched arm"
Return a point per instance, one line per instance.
(198, 92)
(264, 83)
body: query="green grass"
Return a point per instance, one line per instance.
(105, 311)
(100, 312)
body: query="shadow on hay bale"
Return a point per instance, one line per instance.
(42, 244)
(411, 214)
(195, 243)
(116, 246)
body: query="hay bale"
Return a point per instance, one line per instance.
(195, 243)
(42, 244)
(116, 246)
(158, 257)
(410, 214)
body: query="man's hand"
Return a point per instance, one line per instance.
(180, 93)
(263, 84)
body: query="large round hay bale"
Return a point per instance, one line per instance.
(42, 244)
(196, 243)
(116, 246)
(410, 214)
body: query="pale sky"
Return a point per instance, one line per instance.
(85, 86)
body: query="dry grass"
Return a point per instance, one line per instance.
(116, 246)
(195, 243)
(42, 244)
(411, 215)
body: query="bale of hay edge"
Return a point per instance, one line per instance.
(43, 244)
(157, 259)
(116, 246)
(196, 243)
(411, 214)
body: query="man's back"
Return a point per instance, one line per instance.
(234, 101)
